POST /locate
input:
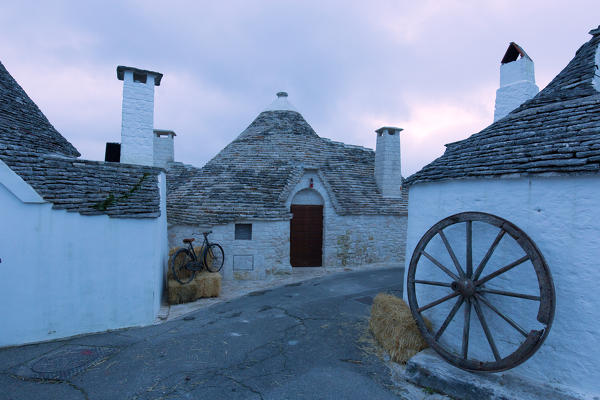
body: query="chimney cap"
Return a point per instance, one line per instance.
(513, 52)
(121, 73)
(164, 132)
(281, 103)
(388, 128)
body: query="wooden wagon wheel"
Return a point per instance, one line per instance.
(468, 287)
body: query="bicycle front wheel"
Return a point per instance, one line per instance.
(214, 257)
(179, 261)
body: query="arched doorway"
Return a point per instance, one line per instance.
(306, 229)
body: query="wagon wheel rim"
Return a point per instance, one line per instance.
(469, 293)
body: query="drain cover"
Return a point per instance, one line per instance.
(64, 362)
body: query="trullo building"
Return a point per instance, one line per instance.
(539, 168)
(281, 196)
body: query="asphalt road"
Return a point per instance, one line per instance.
(306, 340)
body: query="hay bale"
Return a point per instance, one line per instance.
(394, 328)
(204, 284)
(208, 284)
(178, 293)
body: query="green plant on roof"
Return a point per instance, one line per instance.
(112, 199)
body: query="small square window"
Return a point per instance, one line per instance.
(243, 231)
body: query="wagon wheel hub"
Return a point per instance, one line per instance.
(465, 287)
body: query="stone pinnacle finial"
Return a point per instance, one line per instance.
(595, 32)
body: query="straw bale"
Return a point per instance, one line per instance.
(204, 284)
(394, 328)
(208, 284)
(178, 293)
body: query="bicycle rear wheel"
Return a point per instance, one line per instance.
(214, 257)
(179, 262)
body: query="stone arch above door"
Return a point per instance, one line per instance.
(308, 197)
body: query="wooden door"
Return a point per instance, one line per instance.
(306, 236)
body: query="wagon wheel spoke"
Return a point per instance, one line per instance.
(433, 283)
(486, 329)
(449, 317)
(502, 270)
(452, 255)
(440, 266)
(467, 325)
(469, 249)
(504, 317)
(467, 281)
(438, 301)
(511, 294)
(487, 256)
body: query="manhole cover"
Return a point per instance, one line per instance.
(368, 300)
(64, 362)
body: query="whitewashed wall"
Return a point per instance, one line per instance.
(562, 216)
(64, 274)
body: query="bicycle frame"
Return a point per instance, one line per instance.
(198, 263)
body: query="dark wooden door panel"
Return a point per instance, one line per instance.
(306, 236)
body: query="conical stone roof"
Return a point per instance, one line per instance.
(252, 177)
(23, 126)
(556, 132)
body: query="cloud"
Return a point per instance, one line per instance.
(433, 123)
(349, 66)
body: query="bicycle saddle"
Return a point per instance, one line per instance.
(188, 240)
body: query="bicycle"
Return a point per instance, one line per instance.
(185, 263)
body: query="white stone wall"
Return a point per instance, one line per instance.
(163, 150)
(65, 274)
(517, 85)
(388, 174)
(137, 136)
(364, 239)
(561, 215)
(267, 253)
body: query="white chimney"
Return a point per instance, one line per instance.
(517, 81)
(164, 152)
(387, 162)
(137, 137)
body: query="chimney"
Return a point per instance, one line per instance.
(137, 124)
(387, 162)
(517, 81)
(163, 147)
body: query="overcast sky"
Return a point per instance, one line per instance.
(350, 67)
